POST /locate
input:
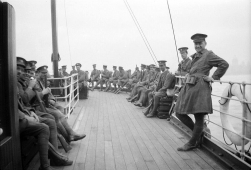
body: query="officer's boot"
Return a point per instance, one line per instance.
(72, 136)
(108, 87)
(56, 158)
(191, 144)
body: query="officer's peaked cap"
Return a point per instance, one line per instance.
(78, 64)
(21, 62)
(198, 37)
(42, 69)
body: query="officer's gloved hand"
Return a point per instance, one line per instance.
(46, 91)
(208, 79)
(32, 83)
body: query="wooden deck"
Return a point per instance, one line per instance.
(120, 137)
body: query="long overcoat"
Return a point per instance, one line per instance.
(196, 98)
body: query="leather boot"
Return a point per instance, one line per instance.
(138, 104)
(72, 136)
(146, 111)
(186, 147)
(151, 114)
(56, 158)
(107, 88)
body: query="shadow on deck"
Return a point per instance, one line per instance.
(120, 137)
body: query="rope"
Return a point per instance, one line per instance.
(246, 103)
(173, 31)
(226, 141)
(228, 94)
(140, 31)
(67, 32)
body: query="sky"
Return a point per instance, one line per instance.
(102, 32)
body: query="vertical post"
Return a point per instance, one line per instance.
(54, 38)
(65, 91)
(244, 116)
(55, 55)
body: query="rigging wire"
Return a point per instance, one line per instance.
(67, 32)
(173, 31)
(140, 31)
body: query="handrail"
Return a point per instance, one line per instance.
(72, 86)
(243, 118)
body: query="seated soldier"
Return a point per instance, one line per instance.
(123, 78)
(114, 77)
(104, 77)
(95, 75)
(82, 80)
(44, 129)
(143, 92)
(166, 81)
(125, 81)
(107, 84)
(134, 79)
(54, 109)
(141, 83)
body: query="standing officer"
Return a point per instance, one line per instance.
(185, 64)
(195, 97)
(95, 75)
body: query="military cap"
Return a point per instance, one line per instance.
(198, 37)
(28, 66)
(114, 66)
(42, 69)
(78, 64)
(94, 65)
(120, 67)
(33, 62)
(143, 65)
(162, 61)
(104, 65)
(183, 49)
(64, 66)
(21, 62)
(151, 65)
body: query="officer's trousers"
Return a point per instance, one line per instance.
(41, 132)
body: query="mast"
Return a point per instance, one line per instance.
(55, 55)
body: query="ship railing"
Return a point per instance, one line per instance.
(69, 86)
(180, 81)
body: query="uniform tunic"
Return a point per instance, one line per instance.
(73, 72)
(82, 77)
(185, 66)
(95, 74)
(166, 81)
(196, 98)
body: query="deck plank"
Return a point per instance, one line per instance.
(120, 137)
